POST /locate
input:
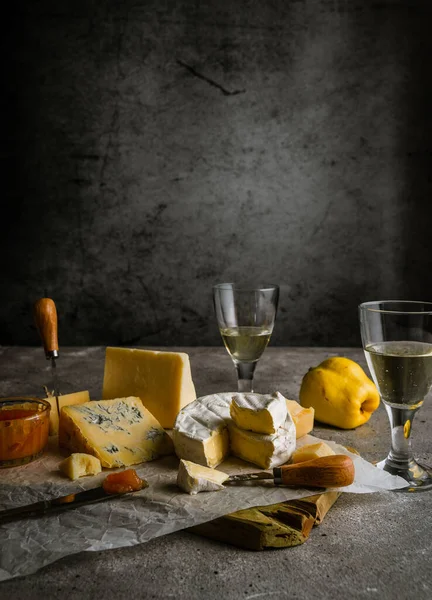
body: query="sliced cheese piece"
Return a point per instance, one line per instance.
(311, 451)
(303, 417)
(79, 465)
(262, 413)
(266, 451)
(66, 400)
(193, 478)
(119, 432)
(162, 380)
(200, 433)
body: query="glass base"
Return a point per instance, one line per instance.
(418, 477)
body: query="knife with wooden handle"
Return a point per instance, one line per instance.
(45, 316)
(324, 472)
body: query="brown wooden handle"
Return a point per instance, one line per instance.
(45, 315)
(327, 471)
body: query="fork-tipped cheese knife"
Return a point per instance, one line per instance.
(323, 472)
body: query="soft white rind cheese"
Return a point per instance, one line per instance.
(204, 433)
(262, 413)
(266, 451)
(200, 432)
(193, 478)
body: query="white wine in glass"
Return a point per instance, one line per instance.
(397, 342)
(245, 316)
(245, 343)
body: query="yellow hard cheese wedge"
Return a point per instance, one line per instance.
(118, 432)
(66, 400)
(79, 465)
(303, 417)
(311, 451)
(162, 380)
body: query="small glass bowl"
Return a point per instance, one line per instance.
(24, 427)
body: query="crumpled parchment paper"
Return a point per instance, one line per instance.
(30, 544)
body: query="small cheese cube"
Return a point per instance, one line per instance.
(78, 465)
(119, 432)
(262, 413)
(302, 417)
(266, 451)
(311, 451)
(64, 400)
(193, 478)
(162, 380)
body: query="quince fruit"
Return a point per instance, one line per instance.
(340, 392)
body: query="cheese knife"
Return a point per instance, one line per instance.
(57, 505)
(45, 316)
(323, 472)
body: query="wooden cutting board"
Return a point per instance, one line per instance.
(279, 525)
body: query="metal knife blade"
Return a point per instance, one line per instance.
(55, 384)
(250, 476)
(56, 504)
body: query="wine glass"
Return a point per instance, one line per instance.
(245, 316)
(397, 342)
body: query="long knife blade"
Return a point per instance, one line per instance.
(56, 504)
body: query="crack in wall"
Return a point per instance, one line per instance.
(211, 82)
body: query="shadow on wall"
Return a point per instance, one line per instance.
(415, 149)
(396, 39)
(134, 184)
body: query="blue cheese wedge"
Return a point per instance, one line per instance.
(193, 478)
(118, 432)
(262, 413)
(266, 451)
(200, 432)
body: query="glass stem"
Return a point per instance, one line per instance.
(400, 455)
(245, 373)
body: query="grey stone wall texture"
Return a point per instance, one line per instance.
(152, 148)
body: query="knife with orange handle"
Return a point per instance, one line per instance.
(323, 472)
(45, 316)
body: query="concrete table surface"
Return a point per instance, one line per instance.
(369, 546)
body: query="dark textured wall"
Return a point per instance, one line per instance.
(153, 148)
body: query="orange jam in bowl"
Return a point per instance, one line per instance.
(24, 427)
